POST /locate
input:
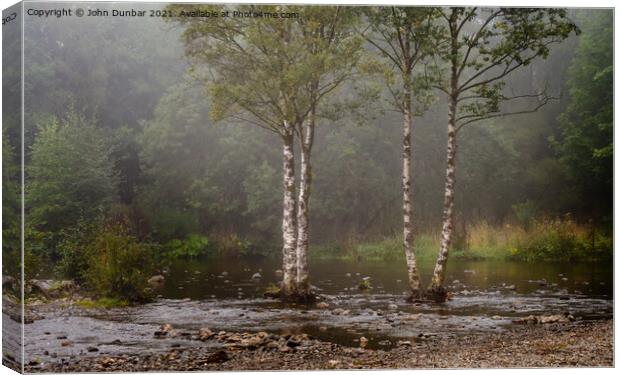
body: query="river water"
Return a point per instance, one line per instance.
(223, 295)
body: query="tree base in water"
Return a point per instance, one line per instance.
(438, 294)
(415, 297)
(295, 297)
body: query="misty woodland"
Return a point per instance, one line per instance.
(250, 187)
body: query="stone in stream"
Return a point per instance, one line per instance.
(393, 306)
(92, 349)
(279, 273)
(256, 276)
(322, 305)
(156, 281)
(205, 334)
(363, 342)
(164, 330)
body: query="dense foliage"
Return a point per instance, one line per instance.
(585, 144)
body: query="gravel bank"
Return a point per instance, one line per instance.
(577, 344)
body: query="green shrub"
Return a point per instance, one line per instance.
(119, 265)
(105, 303)
(233, 246)
(193, 246)
(72, 249)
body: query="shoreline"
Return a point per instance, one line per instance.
(575, 344)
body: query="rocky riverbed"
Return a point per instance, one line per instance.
(585, 343)
(534, 322)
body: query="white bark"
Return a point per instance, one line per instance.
(303, 286)
(412, 267)
(439, 273)
(289, 221)
(436, 289)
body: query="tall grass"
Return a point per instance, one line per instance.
(559, 239)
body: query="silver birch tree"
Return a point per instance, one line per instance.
(485, 46)
(406, 37)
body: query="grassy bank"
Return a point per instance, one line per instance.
(544, 240)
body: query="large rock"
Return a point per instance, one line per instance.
(43, 287)
(8, 282)
(156, 281)
(51, 288)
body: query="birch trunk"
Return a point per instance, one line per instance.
(412, 267)
(289, 221)
(436, 289)
(303, 286)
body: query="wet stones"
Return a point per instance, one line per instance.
(262, 341)
(205, 333)
(546, 319)
(340, 311)
(164, 330)
(322, 305)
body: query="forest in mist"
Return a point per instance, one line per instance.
(119, 130)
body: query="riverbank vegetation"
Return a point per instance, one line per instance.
(130, 166)
(554, 240)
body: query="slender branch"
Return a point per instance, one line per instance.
(504, 114)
